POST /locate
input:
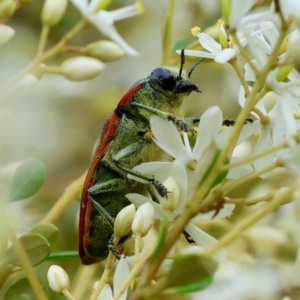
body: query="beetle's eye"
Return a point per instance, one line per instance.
(165, 78)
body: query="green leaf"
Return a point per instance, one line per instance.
(180, 44)
(27, 179)
(221, 177)
(20, 290)
(50, 232)
(161, 238)
(36, 246)
(63, 255)
(190, 273)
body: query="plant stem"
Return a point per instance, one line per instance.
(104, 278)
(249, 221)
(26, 264)
(70, 193)
(167, 35)
(254, 157)
(237, 183)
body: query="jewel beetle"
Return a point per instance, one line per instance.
(124, 143)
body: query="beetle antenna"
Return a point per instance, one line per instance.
(181, 64)
(194, 66)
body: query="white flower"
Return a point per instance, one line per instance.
(199, 236)
(279, 124)
(221, 52)
(290, 159)
(239, 19)
(121, 273)
(215, 49)
(104, 20)
(290, 8)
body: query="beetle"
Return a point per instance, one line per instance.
(124, 143)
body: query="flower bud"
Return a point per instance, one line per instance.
(143, 219)
(226, 9)
(81, 68)
(58, 279)
(53, 11)
(283, 72)
(265, 240)
(123, 221)
(7, 8)
(104, 50)
(170, 203)
(129, 246)
(6, 33)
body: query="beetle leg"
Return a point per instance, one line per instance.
(131, 150)
(192, 121)
(112, 185)
(110, 220)
(181, 124)
(113, 248)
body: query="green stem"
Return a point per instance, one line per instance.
(25, 262)
(249, 221)
(237, 183)
(254, 157)
(105, 276)
(39, 58)
(133, 273)
(240, 75)
(167, 37)
(42, 42)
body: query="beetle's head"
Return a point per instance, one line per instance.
(171, 83)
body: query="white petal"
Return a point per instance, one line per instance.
(256, 17)
(205, 240)
(264, 142)
(198, 53)
(209, 126)
(121, 273)
(247, 131)
(224, 212)
(160, 170)
(208, 43)
(269, 31)
(178, 172)
(238, 10)
(110, 31)
(249, 73)
(285, 123)
(239, 171)
(225, 55)
(290, 159)
(167, 137)
(106, 293)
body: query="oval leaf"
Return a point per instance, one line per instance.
(49, 231)
(36, 246)
(190, 273)
(27, 179)
(21, 290)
